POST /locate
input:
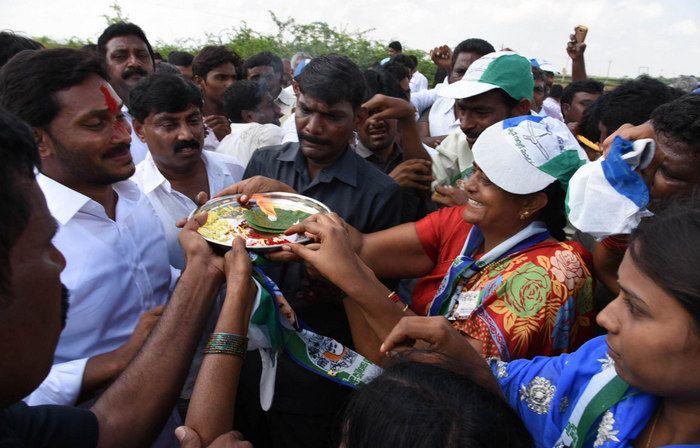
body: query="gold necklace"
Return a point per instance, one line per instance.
(653, 428)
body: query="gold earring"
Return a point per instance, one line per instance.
(524, 215)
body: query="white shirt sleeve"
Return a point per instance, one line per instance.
(423, 99)
(62, 385)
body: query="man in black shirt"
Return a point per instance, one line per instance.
(33, 306)
(322, 166)
(378, 143)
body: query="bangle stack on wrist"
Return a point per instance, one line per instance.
(226, 344)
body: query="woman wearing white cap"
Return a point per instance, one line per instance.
(496, 267)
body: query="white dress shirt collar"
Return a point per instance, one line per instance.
(64, 202)
(151, 178)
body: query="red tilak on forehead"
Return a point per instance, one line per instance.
(109, 99)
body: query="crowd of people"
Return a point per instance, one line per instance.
(512, 262)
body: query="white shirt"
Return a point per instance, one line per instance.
(245, 138)
(115, 271)
(171, 205)
(442, 118)
(211, 142)
(552, 108)
(286, 100)
(424, 99)
(138, 148)
(289, 130)
(451, 158)
(418, 82)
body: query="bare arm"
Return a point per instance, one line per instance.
(210, 412)
(436, 333)
(388, 107)
(102, 369)
(335, 260)
(391, 253)
(133, 410)
(575, 51)
(395, 253)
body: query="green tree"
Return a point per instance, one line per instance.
(117, 14)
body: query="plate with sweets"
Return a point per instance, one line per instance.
(261, 222)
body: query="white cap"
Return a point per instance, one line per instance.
(524, 154)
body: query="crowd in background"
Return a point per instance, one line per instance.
(512, 262)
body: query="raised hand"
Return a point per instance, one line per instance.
(219, 125)
(414, 173)
(442, 56)
(574, 49)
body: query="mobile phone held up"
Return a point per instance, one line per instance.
(580, 33)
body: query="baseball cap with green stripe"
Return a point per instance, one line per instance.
(498, 70)
(523, 155)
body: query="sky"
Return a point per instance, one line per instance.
(625, 37)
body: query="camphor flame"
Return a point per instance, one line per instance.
(266, 206)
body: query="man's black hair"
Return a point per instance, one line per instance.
(30, 81)
(679, 120)
(379, 81)
(587, 86)
(538, 73)
(430, 403)
(165, 67)
(180, 58)
(11, 44)
(398, 71)
(396, 46)
(555, 91)
(264, 58)
(211, 57)
(162, 92)
(405, 60)
(243, 95)
(333, 79)
(588, 127)
(121, 29)
(18, 158)
(474, 45)
(634, 101)
(158, 56)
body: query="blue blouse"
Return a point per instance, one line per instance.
(545, 390)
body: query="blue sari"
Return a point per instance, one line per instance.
(544, 391)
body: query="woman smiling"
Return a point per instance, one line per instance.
(496, 267)
(637, 386)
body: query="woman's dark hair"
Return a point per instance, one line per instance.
(665, 247)
(554, 214)
(421, 404)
